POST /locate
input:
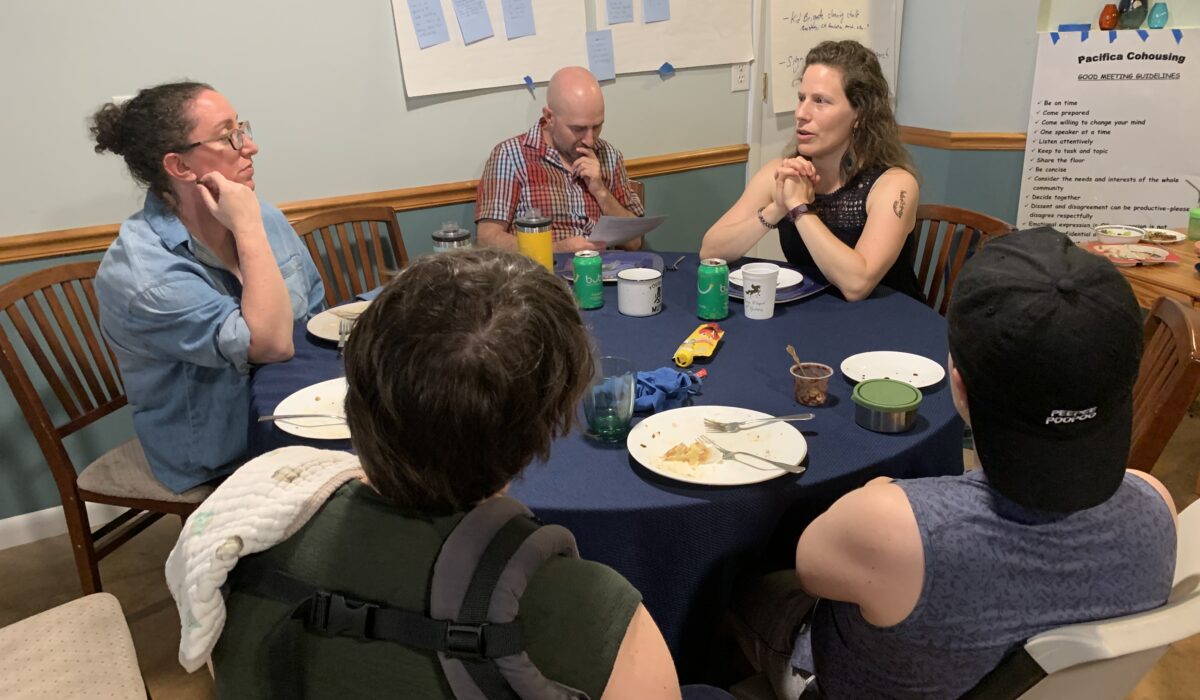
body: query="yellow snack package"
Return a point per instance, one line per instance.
(701, 343)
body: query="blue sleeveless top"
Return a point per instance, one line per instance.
(996, 574)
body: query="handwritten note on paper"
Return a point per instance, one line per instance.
(518, 18)
(428, 22)
(473, 20)
(796, 26)
(620, 11)
(600, 54)
(656, 11)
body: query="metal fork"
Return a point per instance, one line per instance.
(732, 455)
(734, 426)
(345, 325)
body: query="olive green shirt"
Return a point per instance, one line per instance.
(573, 613)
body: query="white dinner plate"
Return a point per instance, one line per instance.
(325, 324)
(787, 278)
(325, 397)
(906, 367)
(650, 440)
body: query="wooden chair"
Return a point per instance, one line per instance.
(639, 188)
(78, 649)
(55, 316)
(1168, 379)
(946, 237)
(347, 247)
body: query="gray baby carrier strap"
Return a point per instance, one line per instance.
(478, 579)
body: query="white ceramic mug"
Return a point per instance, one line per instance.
(639, 291)
(758, 289)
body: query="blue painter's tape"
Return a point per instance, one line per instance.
(1178, 34)
(1074, 27)
(528, 83)
(1112, 35)
(1144, 34)
(666, 69)
(1054, 37)
(1083, 36)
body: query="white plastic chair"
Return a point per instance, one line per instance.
(1106, 659)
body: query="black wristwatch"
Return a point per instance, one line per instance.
(797, 211)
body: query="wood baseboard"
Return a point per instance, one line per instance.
(94, 239)
(962, 140)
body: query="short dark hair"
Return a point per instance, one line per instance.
(463, 370)
(146, 128)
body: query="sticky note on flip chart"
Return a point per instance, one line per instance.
(656, 11)
(620, 11)
(428, 22)
(473, 20)
(518, 18)
(600, 54)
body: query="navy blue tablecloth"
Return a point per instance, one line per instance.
(683, 545)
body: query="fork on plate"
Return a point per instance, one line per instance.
(345, 325)
(734, 426)
(733, 454)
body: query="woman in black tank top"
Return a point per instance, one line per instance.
(845, 202)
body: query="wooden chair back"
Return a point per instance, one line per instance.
(348, 247)
(1168, 379)
(55, 319)
(639, 188)
(947, 236)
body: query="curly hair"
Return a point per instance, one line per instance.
(146, 128)
(875, 141)
(460, 373)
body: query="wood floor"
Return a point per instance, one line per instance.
(41, 575)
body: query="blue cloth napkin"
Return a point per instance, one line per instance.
(664, 388)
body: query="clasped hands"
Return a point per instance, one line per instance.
(795, 183)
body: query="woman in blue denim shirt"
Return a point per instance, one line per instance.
(201, 284)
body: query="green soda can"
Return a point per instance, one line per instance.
(589, 280)
(712, 287)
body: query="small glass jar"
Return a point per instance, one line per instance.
(1194, 224)
(451, 236)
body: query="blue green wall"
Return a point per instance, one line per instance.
(691, 200)
(986, 181)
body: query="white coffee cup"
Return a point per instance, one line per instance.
(758, 289)
(639, 291)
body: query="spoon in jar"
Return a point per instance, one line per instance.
(796, 358)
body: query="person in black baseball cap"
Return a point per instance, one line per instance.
(926, 584)
(1047, 338)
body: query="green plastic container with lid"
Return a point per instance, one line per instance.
(886, 405)
(1194, 224)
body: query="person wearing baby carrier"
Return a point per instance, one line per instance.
(478, 579)
(422, 580)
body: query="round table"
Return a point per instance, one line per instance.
(683, 546)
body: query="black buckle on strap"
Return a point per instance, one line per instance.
(332, 614)
(465, 640)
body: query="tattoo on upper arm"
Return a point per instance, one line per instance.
(899, 204)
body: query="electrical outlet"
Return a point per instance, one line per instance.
(740, 77)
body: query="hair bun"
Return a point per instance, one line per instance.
(107, 127)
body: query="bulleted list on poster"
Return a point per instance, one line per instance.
(1111, 135)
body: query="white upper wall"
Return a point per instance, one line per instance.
(967, 65)
(321, 83)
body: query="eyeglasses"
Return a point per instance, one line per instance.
(236, 138)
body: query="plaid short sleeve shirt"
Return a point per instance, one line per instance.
(526, 172)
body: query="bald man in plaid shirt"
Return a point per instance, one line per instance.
(560, 167)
